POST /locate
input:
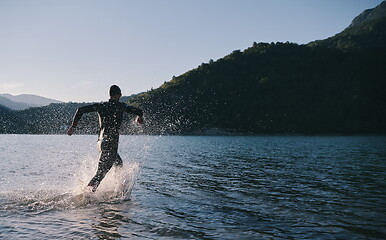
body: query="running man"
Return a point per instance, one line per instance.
(110, 119)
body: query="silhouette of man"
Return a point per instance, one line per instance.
(110, 119)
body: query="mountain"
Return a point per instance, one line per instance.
(24, 101)
(333, 86)
(274, 89)
(4, 110)
(10, 122)
(366, 32)
(5, 102)
(369, 15)
(330, 86)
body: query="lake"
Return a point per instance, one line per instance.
(195, 187)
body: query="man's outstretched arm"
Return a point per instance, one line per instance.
(78, 115)
(136, 111)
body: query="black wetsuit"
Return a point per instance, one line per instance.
(110, 120)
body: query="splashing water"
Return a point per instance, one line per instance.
(41, 176)
(116, 186)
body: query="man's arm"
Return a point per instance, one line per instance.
(136, 111)
(78, 115)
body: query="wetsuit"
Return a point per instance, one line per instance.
(110, 119)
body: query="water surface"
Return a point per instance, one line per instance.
(176, 187)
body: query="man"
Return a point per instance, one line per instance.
(110, 120)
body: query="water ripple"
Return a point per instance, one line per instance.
(202, 188)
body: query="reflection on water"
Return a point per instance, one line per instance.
(196, 188)
(109, 219)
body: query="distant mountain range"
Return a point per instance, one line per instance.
(24, 101)
(330, 86)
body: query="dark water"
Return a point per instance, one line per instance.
(195, 188)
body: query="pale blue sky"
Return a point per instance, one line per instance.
(73, 50)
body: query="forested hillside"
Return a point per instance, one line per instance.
(276, 88)
(333, 86)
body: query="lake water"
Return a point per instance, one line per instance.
(190, 187)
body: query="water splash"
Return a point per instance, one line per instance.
(116, 186)
(57, 179)
(118, 183)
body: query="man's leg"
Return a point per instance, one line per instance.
(118, 162)
(105, 163)
(108, 157)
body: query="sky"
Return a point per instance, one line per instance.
(74, 50)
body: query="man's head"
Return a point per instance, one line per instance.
(115, 91)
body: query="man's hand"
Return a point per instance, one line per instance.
(70, 130)
(139, 120)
